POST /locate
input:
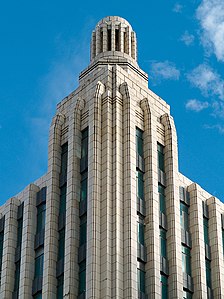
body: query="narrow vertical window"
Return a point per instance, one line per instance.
(164, 286)
(83, 212)
(18, 250)
(39, 243)
(61, 220)
(109, 39)
(2, 224)
(117, 40)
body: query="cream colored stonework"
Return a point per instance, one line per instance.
(112, 99)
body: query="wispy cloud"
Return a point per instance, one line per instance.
(187, 38)
(207, 80)
(218, 127)
(178, 8)
(196, 105)
(210, 14)
(164, 70)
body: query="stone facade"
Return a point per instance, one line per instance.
(112, 217)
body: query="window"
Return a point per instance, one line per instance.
(163, 243)
(164, 286)
(206, 237)
(60, 287)
(82, 231)
(141, 228)
(17, 276)
(187, 295)
(184, 218)
(160, 151)
(82, 277)
(162, 199)
(139, 142)
(41, 212)
(83, 196)
(208, 273)
(61, 244)
(37, 296)
(1, 249)
(84, 144)
(64, 157)
(186, 260)
(39, 262)
(140, 185)
(141, 280)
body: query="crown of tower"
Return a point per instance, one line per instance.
(113, 36)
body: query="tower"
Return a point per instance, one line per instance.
(112, 217)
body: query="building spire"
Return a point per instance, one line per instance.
(113, 36)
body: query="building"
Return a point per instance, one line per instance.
(112, 217)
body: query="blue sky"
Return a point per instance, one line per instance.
(45, 45)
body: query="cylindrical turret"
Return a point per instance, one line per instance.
(113, 34)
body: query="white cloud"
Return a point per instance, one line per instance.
(207, 80)
(164, 70)
(218, 109)
(187, 38)
(210, 14)
(218, 127)
(196, 105)
(178, 8)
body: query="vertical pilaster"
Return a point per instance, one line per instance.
(10, 237)
(49, 289)
(72, 203)
(97, 40)
(94, 197)
(215, 239)
(28, 238)
(198, 244)
(112, 37)
(152, 203)
(118, 195)
(175, 280)
(130, 214)
(105, 42)
(106, 200)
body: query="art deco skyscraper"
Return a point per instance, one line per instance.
(112, 217)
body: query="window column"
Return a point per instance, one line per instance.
(207, 250)
(162, 222)
(83, 214)
(61, 221)
(186, 243)
(222, 219)
(2, 224)
(39, 243)
(18, 250)
(141, 254)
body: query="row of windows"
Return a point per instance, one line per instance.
(162, 208)
(207, 243)
(140, 194)
(83, 199)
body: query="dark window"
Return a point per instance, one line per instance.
(140, 185)
(39, 262)
(139, 142)
(84, 144)
(62, 206)
(117, 40)
(17, 276)
(162, 199)
(186, 260)
(60, 287)
(141, 228)
(141, 280)
(208, 274)
(184, 217)
(187, 295)
(64, 157)
(41, 214)
(206, 237)
(160, 151)
(163, 243)
(61, 244)
(83, 195)
(83, 227)
(1, 250)
(109, 39)
(82, 277)
(164, 286)
(37, 296)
